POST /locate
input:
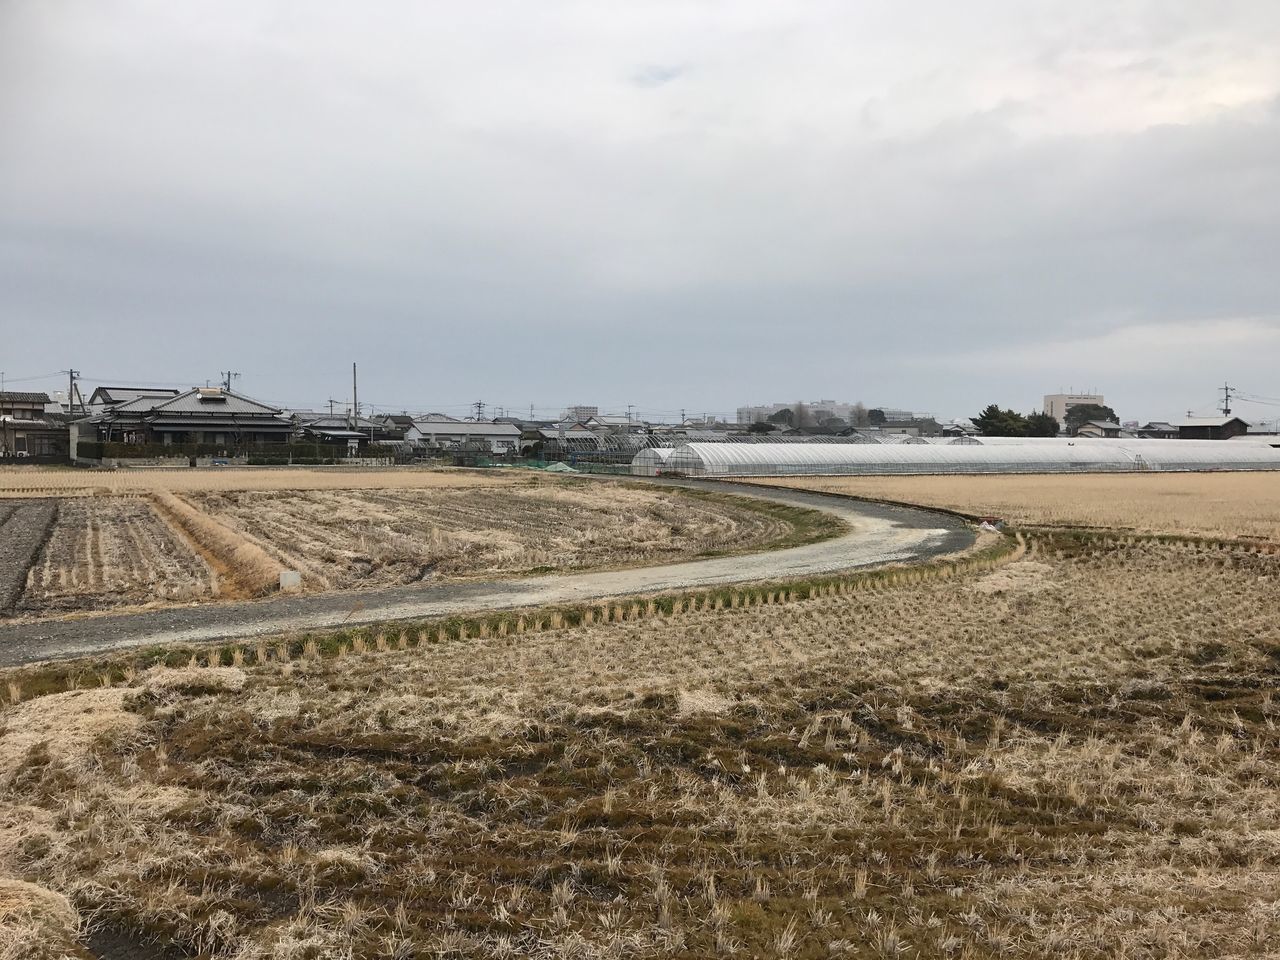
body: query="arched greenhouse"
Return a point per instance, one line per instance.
(1043, 456)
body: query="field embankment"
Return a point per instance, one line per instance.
(244, 569)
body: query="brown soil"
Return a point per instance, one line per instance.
(108, 552)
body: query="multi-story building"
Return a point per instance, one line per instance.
(1056, 405)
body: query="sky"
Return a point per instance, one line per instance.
(670, 205)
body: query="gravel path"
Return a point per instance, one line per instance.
(879, 534)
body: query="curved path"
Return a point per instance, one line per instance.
(879, 534)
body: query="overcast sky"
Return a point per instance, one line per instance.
(932, 205)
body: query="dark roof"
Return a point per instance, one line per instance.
(125, 394)
(213, 400)
(19, 396)
(1208, 421)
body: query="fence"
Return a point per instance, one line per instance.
(255, 453)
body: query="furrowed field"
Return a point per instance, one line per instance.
(1073, 754)
(75, 541)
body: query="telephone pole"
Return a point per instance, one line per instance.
(479, 408)
(355, 403)
(71, 390)
(227, 377)
(1227, 391)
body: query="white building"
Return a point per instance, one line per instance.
(501, 437)
(1056, 405)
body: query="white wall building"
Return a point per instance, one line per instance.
(1056, 405)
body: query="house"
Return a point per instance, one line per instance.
(1158, 430)
(201, 415)
(1100, 428)
(27, 430)
(500, 438)
(103, 397)
(1211, 428)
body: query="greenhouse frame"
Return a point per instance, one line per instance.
(1043, 456)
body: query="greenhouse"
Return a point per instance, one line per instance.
(1042, 456)
(649, 463)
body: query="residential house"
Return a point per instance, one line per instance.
(27, 430)
(500, 438)
(1211, 428)
(1158, 430)
(104, 397)
(1100, 428)
(203, 415)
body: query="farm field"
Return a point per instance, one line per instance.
(54, 481)
(1071, 755)
(71, 553)
(112, 551)
(1208, 504)
(345, 538)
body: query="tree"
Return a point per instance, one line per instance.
(876, 417)
(804, 416)
(1082, 413)
(858, 416)
(994, 422)
(762, 426)
(785, 415)
(1041, 425)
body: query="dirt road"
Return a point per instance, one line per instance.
(879, 534)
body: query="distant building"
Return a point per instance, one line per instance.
(103, 397)
(202, 415)
(500, 438)
(818, 410)
(1158, 430)
(580, 412)
(1056, 405)
(1211, 428)
(27, 430)
(1101, 428)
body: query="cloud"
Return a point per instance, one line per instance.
(749, 198)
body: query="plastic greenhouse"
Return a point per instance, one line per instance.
(649, 462)
(1044, 456)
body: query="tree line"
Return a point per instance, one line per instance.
(994, 422)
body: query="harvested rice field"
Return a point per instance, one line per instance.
(112, 551)
(55, 481)
(1072, 755)
(69, 554)
(345, 538)
(1208, 504)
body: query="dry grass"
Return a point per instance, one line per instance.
(50, 481)
(961, 767)
(1208, 504)
(240, 563)
(345, 538)
(126, 550)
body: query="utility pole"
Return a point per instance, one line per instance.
(630, 407)
(1226, 399)
(331, 403)
(479, 408)
(355, 403)
(227, 377)
(71, 390)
